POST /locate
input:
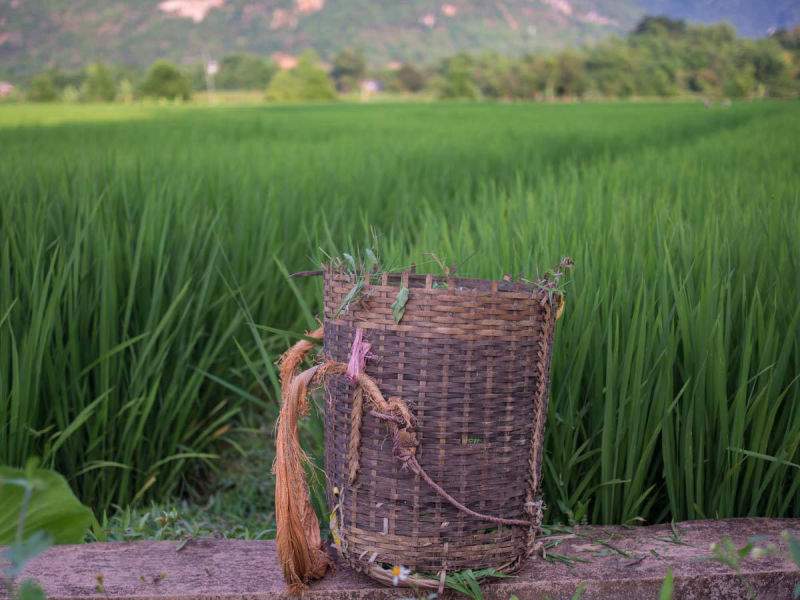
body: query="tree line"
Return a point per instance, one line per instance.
(661, 57)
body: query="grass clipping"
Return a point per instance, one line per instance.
(298, 540)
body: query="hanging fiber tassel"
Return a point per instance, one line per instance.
(298, 540)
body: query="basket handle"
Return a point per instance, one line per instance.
(298, 540)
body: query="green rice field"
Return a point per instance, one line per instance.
(144, 253)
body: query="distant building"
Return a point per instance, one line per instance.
(285, 62)
(307, 7)
(369, 87)
(449, 10)
(6, 88)
(428, 21)
(196, 10)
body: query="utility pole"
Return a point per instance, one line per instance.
(211, 69)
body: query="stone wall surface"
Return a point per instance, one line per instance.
(622, 563)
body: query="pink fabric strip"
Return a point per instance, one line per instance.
(358, 357)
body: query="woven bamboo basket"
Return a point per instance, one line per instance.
(433, 454)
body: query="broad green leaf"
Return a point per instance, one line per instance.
(53, 508)
(399, 304)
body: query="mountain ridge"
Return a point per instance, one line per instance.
(39, 34)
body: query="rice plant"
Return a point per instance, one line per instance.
(144, 293)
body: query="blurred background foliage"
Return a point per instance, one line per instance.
(661, 57)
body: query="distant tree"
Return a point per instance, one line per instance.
(494, 75)
(284, 87)
(315, 82)
(571, 79)
(133, 74)
(739, 83)
(307, 82)
(165, 80)
(718, 34)
(410, 78)
(71, 94)
(126, 91)
(456, 81)
(770, 67)
(196, 74)
(659, 24)
(535, 77)
(610, 65)
(41, 89)
(349, 67)
(704, 81)
(790, 40)
(655, 80)
(99, 85)
(62, 79)
(243, 72)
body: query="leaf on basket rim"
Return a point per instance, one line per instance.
(399, 304)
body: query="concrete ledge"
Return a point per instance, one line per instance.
(242, 570)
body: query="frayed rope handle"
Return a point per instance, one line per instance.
(298, 539)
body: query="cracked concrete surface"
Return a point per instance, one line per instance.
(624, 564)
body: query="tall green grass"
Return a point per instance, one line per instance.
(137, 258)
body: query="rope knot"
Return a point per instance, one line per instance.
(404, 446)
(400, 409)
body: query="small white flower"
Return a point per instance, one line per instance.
(713, 546)
(399, 573)
(758, 552)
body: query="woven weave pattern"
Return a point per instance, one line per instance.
(471, 360)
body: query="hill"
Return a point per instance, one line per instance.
(36, 34)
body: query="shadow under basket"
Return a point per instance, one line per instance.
(441, 473)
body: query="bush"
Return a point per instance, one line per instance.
(71, 94)
(305, 83)
(41, 89)
(411, 79)
(165, 80)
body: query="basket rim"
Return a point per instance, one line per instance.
(454, 284)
